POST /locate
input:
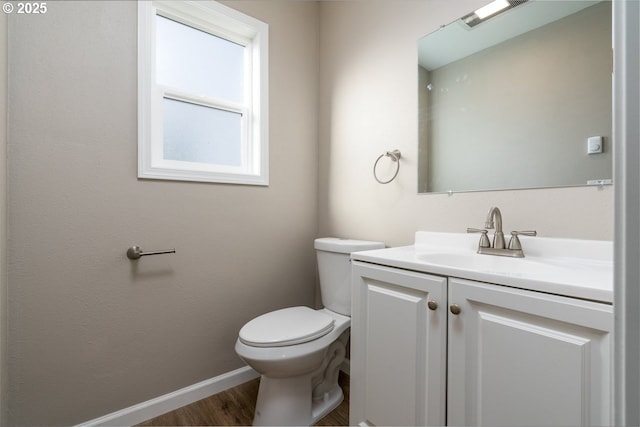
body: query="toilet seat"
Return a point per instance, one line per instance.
(288, 326)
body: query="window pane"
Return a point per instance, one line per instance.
(193, 133)
(198, 62)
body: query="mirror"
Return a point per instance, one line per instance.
(514, 101)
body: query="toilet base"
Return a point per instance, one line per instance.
(287, 401)
(326, 404)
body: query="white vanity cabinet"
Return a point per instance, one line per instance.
(517, 357)
(398, 347)
(508, 357)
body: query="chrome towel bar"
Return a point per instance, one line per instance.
(134, 252)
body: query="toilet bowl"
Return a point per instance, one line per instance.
(299, 383)
(298, 350)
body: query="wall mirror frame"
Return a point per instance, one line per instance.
(515, 101)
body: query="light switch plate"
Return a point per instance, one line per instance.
(594, 144)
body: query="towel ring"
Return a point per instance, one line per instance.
(395, 156)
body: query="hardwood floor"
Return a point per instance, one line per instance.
(234, 407)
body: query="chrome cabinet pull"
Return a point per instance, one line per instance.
(134, 252)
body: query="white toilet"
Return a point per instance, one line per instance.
(298, 350)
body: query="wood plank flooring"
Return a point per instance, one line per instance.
(234, 407)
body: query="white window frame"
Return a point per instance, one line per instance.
(221, 21)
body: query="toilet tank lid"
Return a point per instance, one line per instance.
(345, 246)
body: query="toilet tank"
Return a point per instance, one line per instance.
(334, 269)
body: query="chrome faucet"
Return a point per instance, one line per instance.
(498, 236)
(494, 220)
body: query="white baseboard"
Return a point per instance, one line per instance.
(160, 405)
(174, 400)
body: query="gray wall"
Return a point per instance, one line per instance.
(3, 219)
(91, 332)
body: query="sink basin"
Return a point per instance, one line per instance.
(577, 268)
(490, 264)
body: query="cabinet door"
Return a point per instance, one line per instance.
(398, 345)
(523, 358)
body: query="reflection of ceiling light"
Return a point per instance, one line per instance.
(489, 11)
(492, 8)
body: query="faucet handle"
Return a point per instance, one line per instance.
(514, 242)
(484, 240)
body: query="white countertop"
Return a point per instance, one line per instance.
(575, 268)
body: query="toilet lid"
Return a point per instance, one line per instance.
(289, 326)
